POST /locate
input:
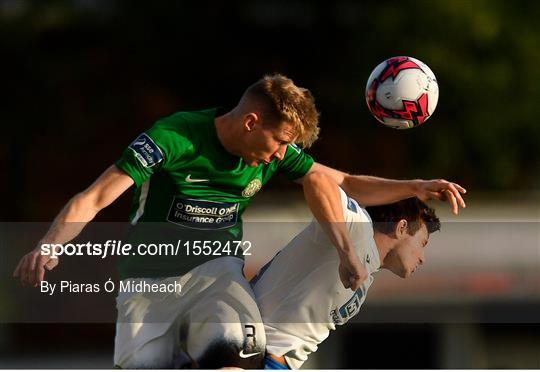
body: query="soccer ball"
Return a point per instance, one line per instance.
(402, 92)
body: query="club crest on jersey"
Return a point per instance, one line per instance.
(351, 205)
(146, 151)
(252, 188)
(349, 309)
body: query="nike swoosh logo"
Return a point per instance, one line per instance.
(193, 180)
(242, 355)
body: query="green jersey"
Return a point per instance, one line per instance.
(190, 188)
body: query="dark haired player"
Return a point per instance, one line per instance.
(299, 292)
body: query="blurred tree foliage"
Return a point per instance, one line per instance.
(90, 75)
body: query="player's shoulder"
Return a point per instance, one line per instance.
(186, 122)
(184, 130)
(353, 208)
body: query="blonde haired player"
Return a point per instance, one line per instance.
(185, 167)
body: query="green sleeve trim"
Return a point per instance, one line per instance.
(148, 153)
(126, 165)
(296, 163)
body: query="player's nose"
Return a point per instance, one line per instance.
(280, 153)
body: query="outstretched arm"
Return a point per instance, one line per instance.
(324, 199)
(80, 210)
(369, 190)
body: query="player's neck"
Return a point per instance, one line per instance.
(384, 245)
(225, 131)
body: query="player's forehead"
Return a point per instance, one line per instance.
(422, 233)
(284, 131)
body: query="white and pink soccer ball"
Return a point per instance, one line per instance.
(402, 92)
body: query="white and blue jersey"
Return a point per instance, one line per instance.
(300, 294)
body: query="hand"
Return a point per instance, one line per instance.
(351, 271)
(441, 190)
(31, 268)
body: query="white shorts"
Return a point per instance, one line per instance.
(215, 305)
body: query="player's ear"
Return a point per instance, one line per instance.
(250, 120)
(401, 228)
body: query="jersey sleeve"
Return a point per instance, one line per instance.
(296, 163)
(150, 152)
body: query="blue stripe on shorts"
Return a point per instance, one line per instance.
(270, 363)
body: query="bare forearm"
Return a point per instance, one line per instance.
(324, 200)
(83, 207)
(369, 190)
(80, 210)
(71, 220)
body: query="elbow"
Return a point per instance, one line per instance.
(317, 181)
(314, 178)
(345, 184)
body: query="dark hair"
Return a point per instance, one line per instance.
(413, 210)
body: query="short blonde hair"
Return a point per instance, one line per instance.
(281, 100)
